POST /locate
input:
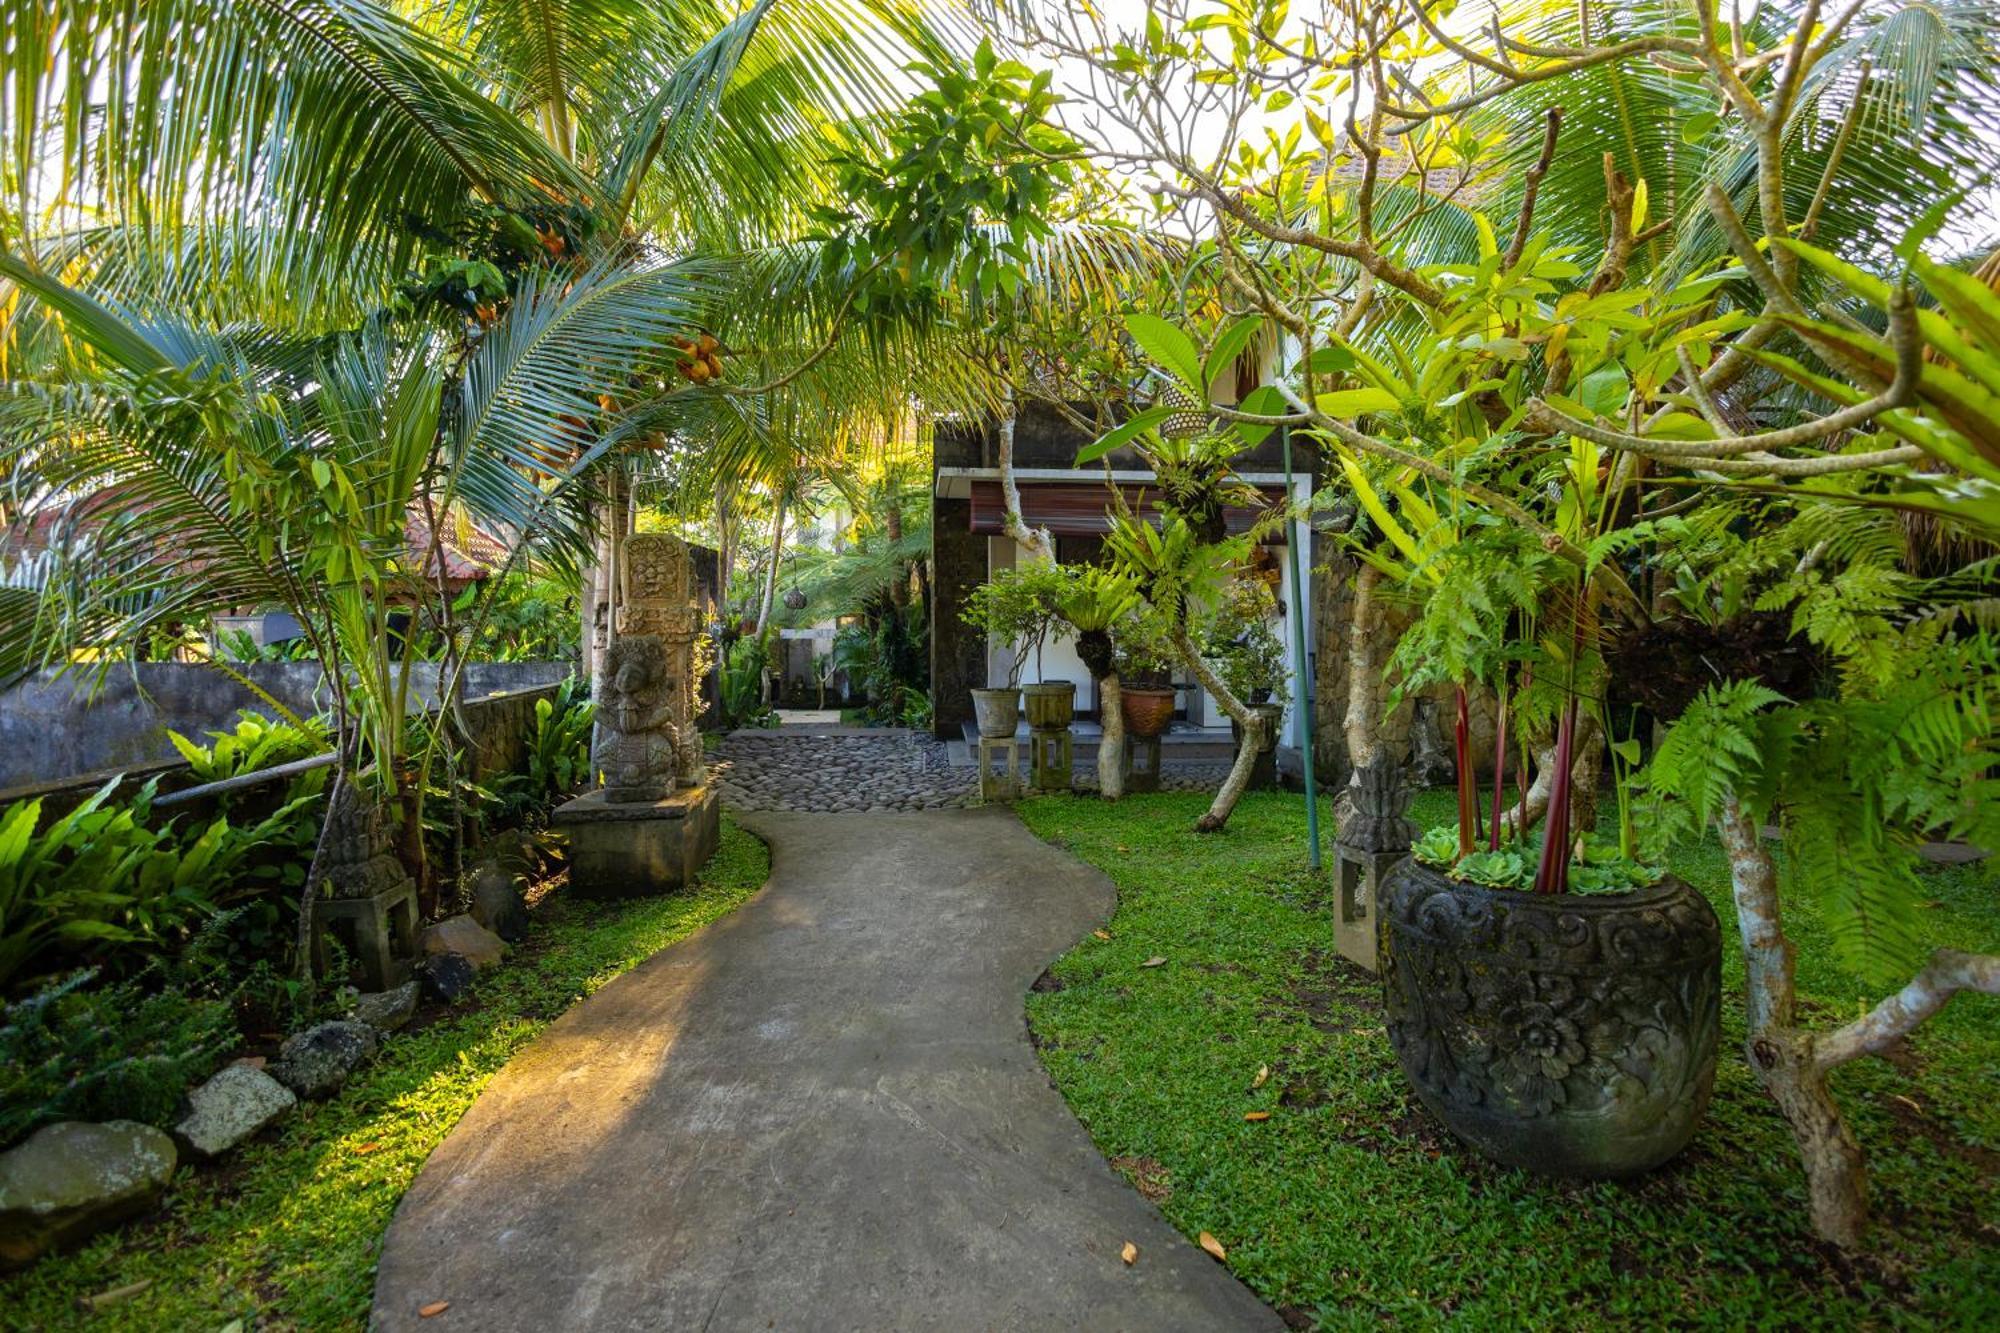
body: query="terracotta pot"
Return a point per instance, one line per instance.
(998, 712)
(1148, 712)
(1051, 704)
(1569, 1034)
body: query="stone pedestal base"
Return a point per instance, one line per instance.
(999, 768)
(622, 849)
(378, 932)
(1052, 759)
(1358, 886)
(1142, 763)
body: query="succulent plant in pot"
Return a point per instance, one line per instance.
(1554, 1001)
(1557, 1007)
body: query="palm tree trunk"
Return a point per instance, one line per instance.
(769, 601)
(892, 530)
(1111, 742)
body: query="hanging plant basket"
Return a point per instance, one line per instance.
(795, 599)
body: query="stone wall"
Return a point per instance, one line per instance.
(502, 727)
(53, 728)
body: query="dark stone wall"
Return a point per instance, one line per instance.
(958, 651)
(501, 726)
(1331, 587)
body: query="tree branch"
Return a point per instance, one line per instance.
(1947, 973)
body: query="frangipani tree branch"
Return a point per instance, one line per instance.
(1948, 972)
(1754, 454)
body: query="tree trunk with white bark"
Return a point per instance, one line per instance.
(1252, 722)
(1111, 743)
(1039, 542)
(1793, 1064)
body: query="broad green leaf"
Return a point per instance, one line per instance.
(1123, 433)
(1346, 404)
(1169, 346)
(1263, 401)
(1229, 345)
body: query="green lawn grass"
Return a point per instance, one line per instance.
(285, 1233)
(1350, 1207)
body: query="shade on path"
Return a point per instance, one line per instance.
(821, 1112)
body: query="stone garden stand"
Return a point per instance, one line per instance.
(1370, 843)
(365, 901)
(1142, 763)
(999, 768)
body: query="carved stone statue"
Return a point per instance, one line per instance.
(647, 741)
(358, 860)
(655, 820)
(637, 748)
(1379, 799)
(659, 605)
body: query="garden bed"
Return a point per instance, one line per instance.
(285, 1233)
(1350, 1206)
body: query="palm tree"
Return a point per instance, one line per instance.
(279, 270)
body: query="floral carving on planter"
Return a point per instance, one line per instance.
(1569, 1034)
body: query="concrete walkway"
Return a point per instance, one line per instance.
(822, 1112)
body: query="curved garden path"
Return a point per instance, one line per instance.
(821, 1112)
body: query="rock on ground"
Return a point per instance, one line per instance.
(231, 1107)
(317, 1061)
(446, 976)
(71, 1180)
(386, 1010)
(500, 900)
(466, 938)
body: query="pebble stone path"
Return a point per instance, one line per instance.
(874, 771)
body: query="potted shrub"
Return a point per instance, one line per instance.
(1018, 607)
(1556, 1008)
(1248, 656)
(1145, 672)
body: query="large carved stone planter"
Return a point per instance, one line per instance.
(998, 712)
(1571, 1035)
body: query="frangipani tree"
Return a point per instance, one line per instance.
(1592, 272)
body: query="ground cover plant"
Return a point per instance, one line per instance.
(1349, 1206)
(286, 1235)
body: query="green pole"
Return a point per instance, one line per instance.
(1302, 685)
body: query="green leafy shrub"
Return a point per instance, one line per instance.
(76, 1051)
(104, 884)
(255, 744)
(743, 668)
(558, 760)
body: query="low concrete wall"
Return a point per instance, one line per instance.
(502, 725)
(54, 728)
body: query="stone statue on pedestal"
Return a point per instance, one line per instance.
(659, 605)
(637, 750)
(1373, 837)
(654, 819)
